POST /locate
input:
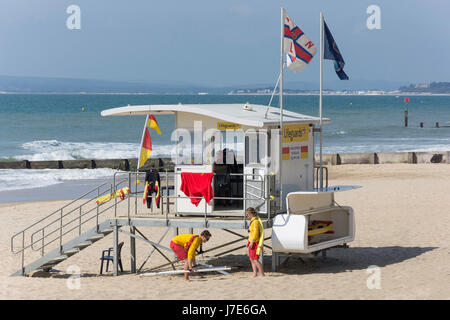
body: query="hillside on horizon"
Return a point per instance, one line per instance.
(17, 84)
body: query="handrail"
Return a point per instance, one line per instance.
(67, 223)
(68, 231)
(56, 211)
(64, 225)
(59, 219)
(77, 208)
(57, 238)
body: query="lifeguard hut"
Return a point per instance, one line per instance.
(253, 163)
(240, 144)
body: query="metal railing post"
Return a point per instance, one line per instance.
(129, 200)
(167, 211)
(115, 199)
(161, 199)
(115, 244)
(267, 194)
(60, 231)
(23, 253)
(96, 218)
(245, 196)
(43, 243)
(79, 225)
(206, 211)
(135, 198)
(167, 190)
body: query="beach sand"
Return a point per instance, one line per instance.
(402, 226)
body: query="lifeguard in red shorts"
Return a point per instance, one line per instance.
(185, 246)
(255, 241)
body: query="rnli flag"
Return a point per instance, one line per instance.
(298, 47)
(146, 145)
(331, 52)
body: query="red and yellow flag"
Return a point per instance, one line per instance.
(146, 145)
(153, 124)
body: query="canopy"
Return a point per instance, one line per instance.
(245, 114)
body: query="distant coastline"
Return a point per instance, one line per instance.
(313, 93)
(361, 87)
(336, 93)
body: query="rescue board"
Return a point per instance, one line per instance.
(118, 193)
(319, 227)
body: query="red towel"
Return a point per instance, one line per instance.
(195, 184)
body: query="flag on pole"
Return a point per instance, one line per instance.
(146, 144)
(153, 124)
(299, 48)
(331, 52)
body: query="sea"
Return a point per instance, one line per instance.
(69, 126)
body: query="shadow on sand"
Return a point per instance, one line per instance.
(337, 259)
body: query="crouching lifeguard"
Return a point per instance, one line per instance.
(185, 246)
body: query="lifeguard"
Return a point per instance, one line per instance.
(185, 246)
(255, 241)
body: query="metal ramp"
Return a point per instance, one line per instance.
(66, 231)
(67, 250)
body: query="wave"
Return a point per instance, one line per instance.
(16, 179)
(41, 150)
(338, 133)
(51, 150)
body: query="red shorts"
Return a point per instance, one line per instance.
(252, 251)
(179, 250)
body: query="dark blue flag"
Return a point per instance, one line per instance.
(331, 52)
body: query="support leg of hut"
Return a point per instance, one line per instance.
(132, 251)
(175, 233)
(274, 261)
(115, 245)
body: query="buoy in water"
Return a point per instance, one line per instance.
(83, 109)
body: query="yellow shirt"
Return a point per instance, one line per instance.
(183, 239)
(255, 232)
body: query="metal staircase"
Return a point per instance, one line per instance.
(67, 231)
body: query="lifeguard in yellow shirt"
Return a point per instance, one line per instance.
(255, 241)
(185, 245)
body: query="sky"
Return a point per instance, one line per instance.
(220, 43)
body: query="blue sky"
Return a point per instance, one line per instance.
(218, 43)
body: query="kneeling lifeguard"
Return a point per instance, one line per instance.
(185, 246)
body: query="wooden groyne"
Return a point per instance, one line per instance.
(385, 157)
(122, 164)
(166, 163)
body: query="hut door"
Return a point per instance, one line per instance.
(255, 169)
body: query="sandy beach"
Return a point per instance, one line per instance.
(402, 226)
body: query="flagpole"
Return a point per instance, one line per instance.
(281, 108)
(142, 140)
(321, 95)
